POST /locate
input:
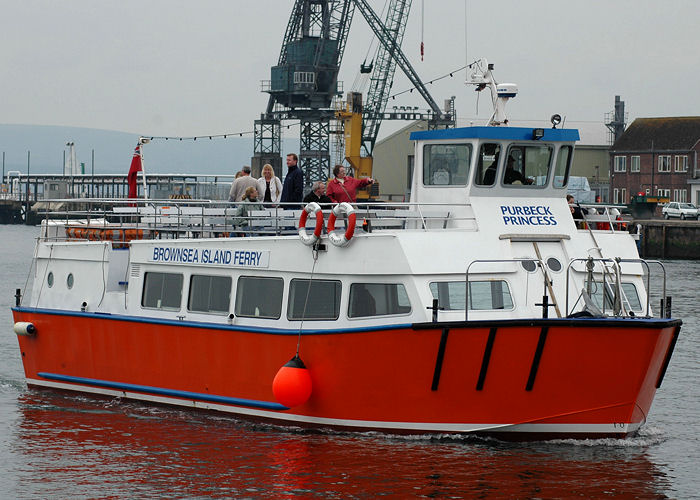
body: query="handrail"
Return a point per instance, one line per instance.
(618, 272)
(491, 261)
(209, 218)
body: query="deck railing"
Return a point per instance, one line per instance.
(119, 220)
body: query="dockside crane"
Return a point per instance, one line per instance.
(303, 85)
(305, 81)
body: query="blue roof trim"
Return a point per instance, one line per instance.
(211, 326)
(196, 396)
(496, 133)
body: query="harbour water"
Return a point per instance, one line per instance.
(58, 445)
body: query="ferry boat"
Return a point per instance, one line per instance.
(479, 306)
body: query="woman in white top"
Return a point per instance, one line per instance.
(269, 186)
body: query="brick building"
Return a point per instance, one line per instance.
(657, 157)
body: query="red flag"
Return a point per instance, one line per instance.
(136, 166)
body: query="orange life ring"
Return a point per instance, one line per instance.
(310, 239)
(335, 238)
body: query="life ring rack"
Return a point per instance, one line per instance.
(341, 240)
(306, 238)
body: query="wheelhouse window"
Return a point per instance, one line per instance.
(259, 297)
(527, 165)
(483, 295)
(561, 169)
(162, 291)
(487, 164)
(378, 299)
(446, 164)
(210, 294)
(313, 300)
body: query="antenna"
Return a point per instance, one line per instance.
(482, 76)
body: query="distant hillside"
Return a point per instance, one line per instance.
(113, 151)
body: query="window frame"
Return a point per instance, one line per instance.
(676, 160)
(664, 163)
(211, 276)
(525, 147)
(635, 163)
(620, 163)
(398, 285)
(291, 294)
(567, 168)
(240, 296)
(181, 277)
(428, 174)
(461, 282)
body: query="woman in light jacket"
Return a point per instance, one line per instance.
(269, 187)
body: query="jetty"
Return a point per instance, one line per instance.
(25, 197)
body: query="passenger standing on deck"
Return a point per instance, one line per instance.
(576, 211)
(293, 189)
(318, 194)
(270, 186)
(250, 202)
(343, 188)
(239, 185)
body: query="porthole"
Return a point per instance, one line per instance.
(529, 265)
(553, 264)
(49, 279)
(69, 281)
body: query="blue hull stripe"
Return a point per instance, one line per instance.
(196, 396)
(208, 325)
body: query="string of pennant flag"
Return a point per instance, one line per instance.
(250, 132)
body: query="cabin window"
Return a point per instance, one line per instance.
(483, 295)
(561, 169)
(211, 294)
(630, 296)
(378, 299)
(319, 301)
(527, 165)
(162, 291)
(487, 164)
(446, 164)
(259, 297)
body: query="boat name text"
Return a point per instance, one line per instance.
(528, 215)
(217, 256)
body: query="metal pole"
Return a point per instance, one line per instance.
(92, 181)
(142, 141)
(2, 181)
(26, 210)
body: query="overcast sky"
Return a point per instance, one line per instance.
(187, 68)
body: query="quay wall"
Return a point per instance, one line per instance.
(669, 239)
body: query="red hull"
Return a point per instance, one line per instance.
(568, 378)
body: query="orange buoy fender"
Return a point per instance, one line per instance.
(292, 384)
(313, 208)
(336, 239)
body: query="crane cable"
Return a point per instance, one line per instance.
(422, 29)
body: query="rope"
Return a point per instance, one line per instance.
(314, 253)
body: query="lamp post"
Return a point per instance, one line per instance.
(597, 179)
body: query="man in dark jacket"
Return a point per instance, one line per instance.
(293, 188)
(318, 194)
